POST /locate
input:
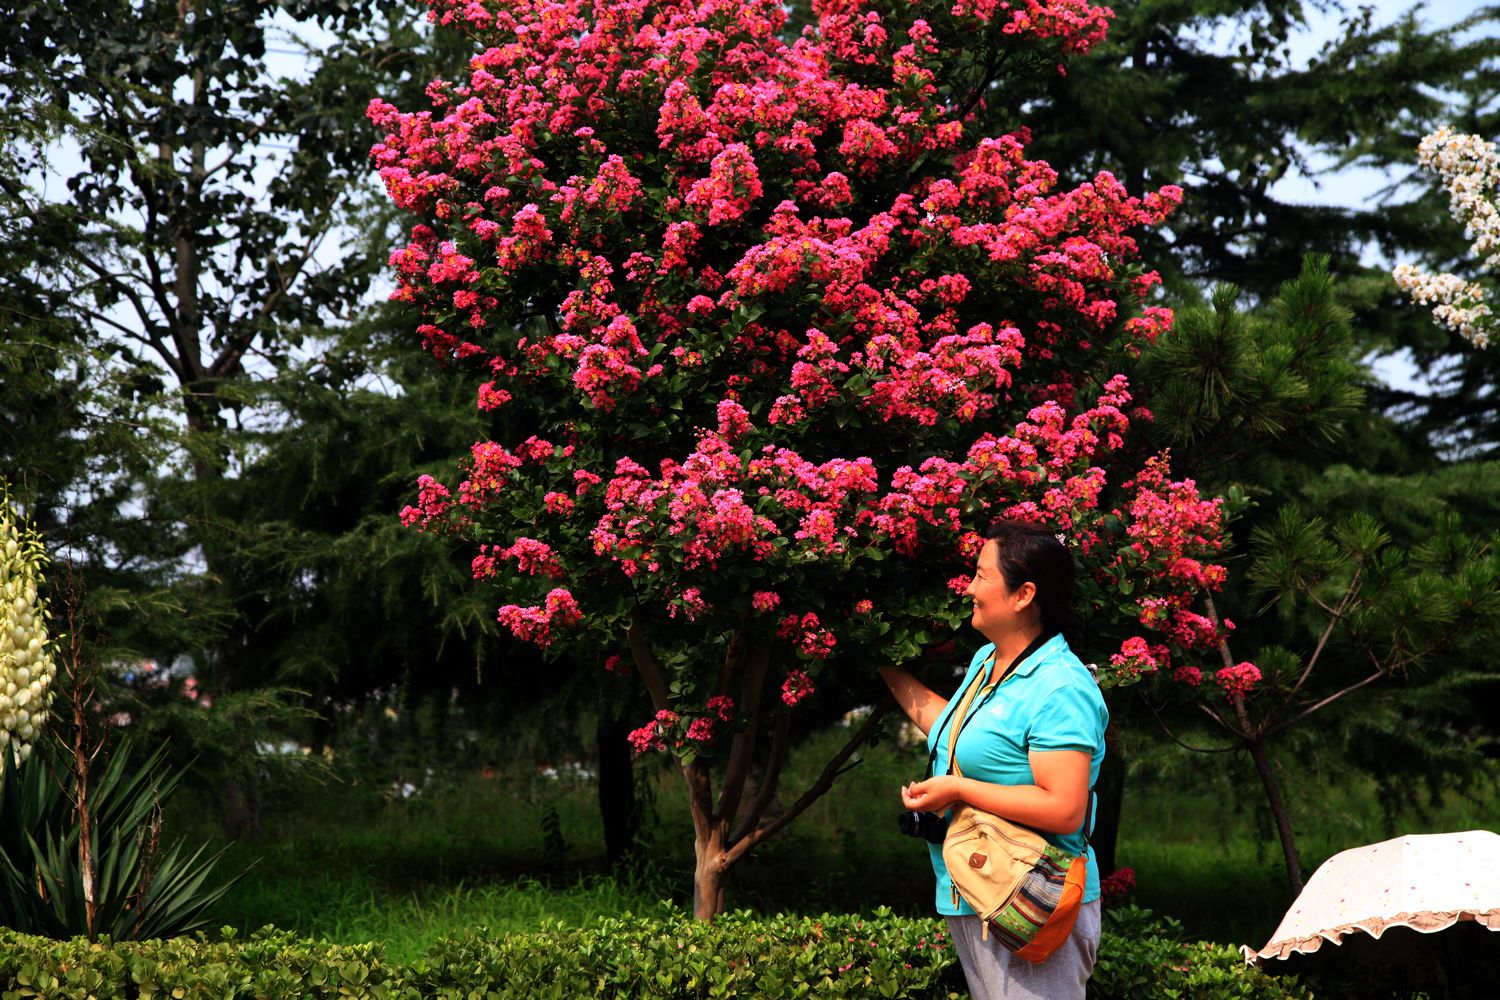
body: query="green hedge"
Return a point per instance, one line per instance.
(1143, 957)
(650, 958)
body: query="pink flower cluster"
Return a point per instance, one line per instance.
(689, 603)
(723, 504)
(782, 316)
(1138, 658)
(1239, 680)
(654, 734)
(1171, 523)
(796, 687)
(807, 635)
(532, 181)
(674, 731)
(537, 624)
(765, 601)
(1117, 885)
(433, 501)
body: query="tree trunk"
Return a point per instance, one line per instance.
(709, 871)
(1278, 810)
(1110, 790)
(617, 802)
(709, 835)
(1253, 739)
(242, 808)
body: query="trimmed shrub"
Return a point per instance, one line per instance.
(1143, 957)
(667, 955)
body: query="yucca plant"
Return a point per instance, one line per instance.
(26, 666)
(80, 820)
(131, 886)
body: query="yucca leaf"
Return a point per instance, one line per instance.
(139, 890)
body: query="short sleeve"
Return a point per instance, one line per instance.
(1071, 717)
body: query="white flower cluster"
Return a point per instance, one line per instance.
(1470, 169)
(26, 666)
(1456, 303)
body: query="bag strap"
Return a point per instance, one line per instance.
(960, 717)
(956, 727)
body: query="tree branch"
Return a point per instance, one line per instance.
(731, 657)
(314, 240)
(1333, 621)
(1287, 724)
(825, 781)
(645, 662)
(117, 284)
(1219, 719)
(1247, 731)
(752, 684)
(1186, 746)
(986, 77)
(780, 741)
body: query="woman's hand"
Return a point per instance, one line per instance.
(933, 795)
(1055, 804)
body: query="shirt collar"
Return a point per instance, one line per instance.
(1043, 652)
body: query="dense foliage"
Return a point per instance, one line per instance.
(82, 854)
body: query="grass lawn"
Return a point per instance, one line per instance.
(351, 862)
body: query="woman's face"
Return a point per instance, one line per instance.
(998, 610)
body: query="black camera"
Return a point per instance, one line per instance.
(929, 826)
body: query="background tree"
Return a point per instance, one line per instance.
(1210, 97)
(1362, 626)
(188, 254)
(186, 232)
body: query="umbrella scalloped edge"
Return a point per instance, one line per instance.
(1425, 921)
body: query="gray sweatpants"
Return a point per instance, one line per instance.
(996, 974)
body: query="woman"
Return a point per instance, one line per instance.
(1030, 753)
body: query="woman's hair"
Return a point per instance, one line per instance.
(1030, 552)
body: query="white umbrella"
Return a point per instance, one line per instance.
(1427, 882)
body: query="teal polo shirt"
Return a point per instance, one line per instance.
(1050, 701)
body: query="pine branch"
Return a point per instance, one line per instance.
(1333, 620)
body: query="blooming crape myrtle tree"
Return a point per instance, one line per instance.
(1470, 169)
(768, 331)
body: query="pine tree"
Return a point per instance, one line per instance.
(1367, 607)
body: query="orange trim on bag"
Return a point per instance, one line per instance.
(1056, 930)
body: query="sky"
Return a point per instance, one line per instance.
(1358, 186)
